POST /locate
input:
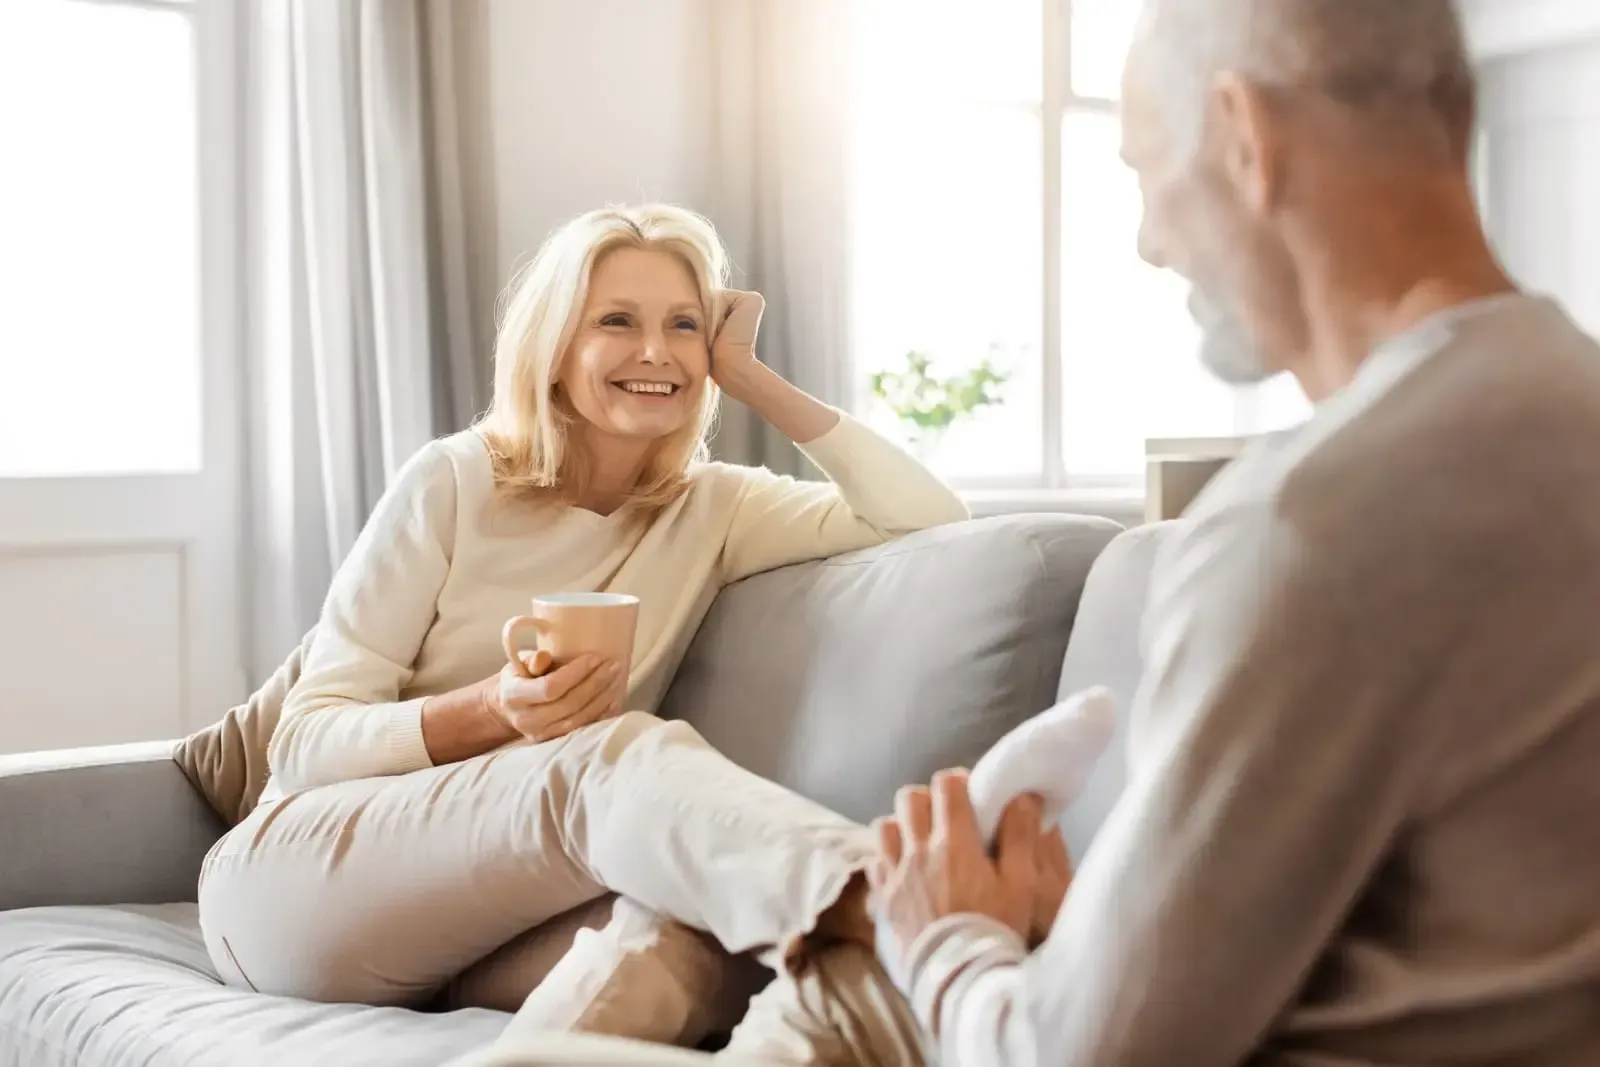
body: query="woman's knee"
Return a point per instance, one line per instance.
(621, 732)
(274, 928)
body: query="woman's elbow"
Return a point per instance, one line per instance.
(281, 761)
(942, 511)
(287, 756)
(952, 510)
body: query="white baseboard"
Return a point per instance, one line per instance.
(1501, 28)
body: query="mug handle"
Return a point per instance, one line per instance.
(513, 647)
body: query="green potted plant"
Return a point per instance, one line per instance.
(929, 404)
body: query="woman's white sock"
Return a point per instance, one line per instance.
(1052, 755)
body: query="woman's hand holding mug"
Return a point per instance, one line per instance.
(590, 636)
(543, 704)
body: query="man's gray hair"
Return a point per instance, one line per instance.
(1364, 52)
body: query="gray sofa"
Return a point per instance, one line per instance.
(842, 679)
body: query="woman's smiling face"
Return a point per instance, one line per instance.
(637, 364)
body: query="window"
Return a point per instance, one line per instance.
(994, 219)
(99, 259)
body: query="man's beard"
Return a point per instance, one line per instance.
(1226, 347)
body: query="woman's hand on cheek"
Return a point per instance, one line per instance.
(733, 340)
(795, 413)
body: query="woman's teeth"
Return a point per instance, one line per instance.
(649, 388)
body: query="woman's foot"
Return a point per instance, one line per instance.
(842, 1011)
(641, 976)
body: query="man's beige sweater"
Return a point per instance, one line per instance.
(1362, 826)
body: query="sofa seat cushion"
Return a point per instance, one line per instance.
(133, 985)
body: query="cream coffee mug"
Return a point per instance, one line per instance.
(569, 625)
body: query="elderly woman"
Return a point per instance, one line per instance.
(430, 802)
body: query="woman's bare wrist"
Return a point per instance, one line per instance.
(464, 723)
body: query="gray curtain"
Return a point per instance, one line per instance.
(780, 76)
(361, 340)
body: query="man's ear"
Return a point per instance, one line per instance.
(1249, 140)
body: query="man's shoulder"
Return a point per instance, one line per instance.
(1477, 468)
(1500, 423)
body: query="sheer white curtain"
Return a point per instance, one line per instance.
(359, 341)
(780, 196)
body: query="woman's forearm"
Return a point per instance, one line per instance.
(461, 724)
(798, 415)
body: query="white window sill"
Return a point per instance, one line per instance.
(1124, 506)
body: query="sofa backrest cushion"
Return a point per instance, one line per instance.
(850, 677)
(1105, 650)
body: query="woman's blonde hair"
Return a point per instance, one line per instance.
(528, 423)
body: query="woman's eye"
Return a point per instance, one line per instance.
(614, 320)
(687, 324)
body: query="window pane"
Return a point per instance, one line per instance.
(948, 261)
(1129, 345)
(1276, 405)
(1101, 33)
(99, 368)
(956, 50)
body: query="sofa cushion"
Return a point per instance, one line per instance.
(1105, 650)
(227, 761)
(850, 677)
(125, 986)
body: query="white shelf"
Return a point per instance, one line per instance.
(1500, 28)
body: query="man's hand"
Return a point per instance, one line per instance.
(931, 864)
(1052, 873)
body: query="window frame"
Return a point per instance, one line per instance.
(1060, 100)
(218, 102)
(1058, 482)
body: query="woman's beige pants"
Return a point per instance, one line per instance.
(381, 891)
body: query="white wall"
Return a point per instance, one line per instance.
(593, 101)
(1541, 124)
(1542, 130)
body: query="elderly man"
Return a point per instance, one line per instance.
(1362, 824)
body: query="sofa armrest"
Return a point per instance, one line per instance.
(114, 825)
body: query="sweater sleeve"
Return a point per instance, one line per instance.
(343, 719)
(875, 492)
(1277, 754)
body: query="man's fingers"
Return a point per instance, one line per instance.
(1018, 836)
(953, 817)
(883, 865)
(890, 844)
(913, 809)
(1052, 854)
